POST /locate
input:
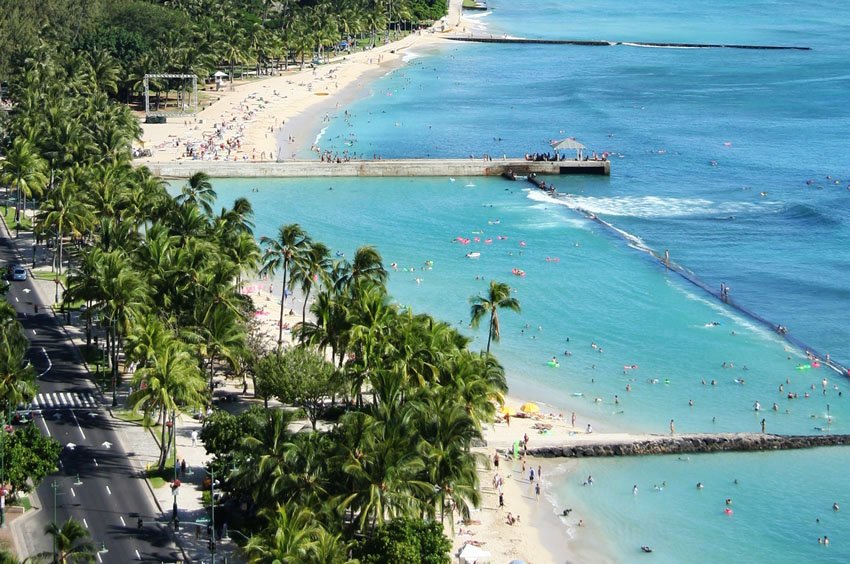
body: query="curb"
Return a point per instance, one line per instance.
(18, 540)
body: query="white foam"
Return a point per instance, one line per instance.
(320, 134)
(651, 206)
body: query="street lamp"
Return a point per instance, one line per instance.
(175, 485)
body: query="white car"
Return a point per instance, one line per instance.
(19, 273)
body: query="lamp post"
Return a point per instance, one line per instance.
(212, 512)
(7, 430)
(175, 485)
(55, 486)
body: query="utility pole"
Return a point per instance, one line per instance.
(176, 482)
(212, 511)
(55, 486)
(3, 491)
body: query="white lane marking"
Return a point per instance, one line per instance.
(95, 461)
(85, 523)
(33, 332)
(46, 430)
(99, 559)
(139, 556)
(123, 524)
(72, 493)
(49, 363)
(108, 490)
(74, 415)
(16, 299)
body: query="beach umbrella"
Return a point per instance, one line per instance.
(507, 410)
(220, 74)
(569, 143)
(530, 408)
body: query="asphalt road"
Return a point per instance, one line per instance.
(96, 484)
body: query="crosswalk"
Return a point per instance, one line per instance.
(64, 400)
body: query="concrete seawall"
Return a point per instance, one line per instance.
(690, 444)
(387, 167)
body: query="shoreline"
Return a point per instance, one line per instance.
(252, 121)
(262, 115)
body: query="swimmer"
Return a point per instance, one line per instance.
(835, 506)
(634, 490)
(700, 486)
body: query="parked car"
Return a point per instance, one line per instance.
(18, 272)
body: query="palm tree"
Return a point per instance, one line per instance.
(122, 298)
(70, 542)
(290, 537)
(314, 267)
(367, 265)
(24, 169)
(64, 213)
(281, 253)
(448, 432)
(199, 192)
(168, 378)
(17, 377)
(498, 297)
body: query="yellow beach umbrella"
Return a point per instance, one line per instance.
(530, 408)
(507, 410)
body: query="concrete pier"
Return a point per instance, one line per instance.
(688, 444)
(385, 167)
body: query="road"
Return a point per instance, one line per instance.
(97, 484)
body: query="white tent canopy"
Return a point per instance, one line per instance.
(220, 74)
(569, 143)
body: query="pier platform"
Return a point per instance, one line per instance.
(375, 168)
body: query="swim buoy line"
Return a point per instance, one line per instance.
(711, 290)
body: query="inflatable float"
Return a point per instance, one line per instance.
(518, 272)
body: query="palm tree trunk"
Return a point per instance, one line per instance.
(304, 310)
(163, 444)
(490, 332)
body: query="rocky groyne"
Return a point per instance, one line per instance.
(689, 444)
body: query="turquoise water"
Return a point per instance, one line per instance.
(781, 504)
(720, 156)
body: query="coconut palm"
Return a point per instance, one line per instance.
(281, 253)
(70, 542)
(64, 213)
(313, 268)
(290, 537)
(17, 377)
(24, 169)
(447, 431)
(168, 378)
(367, 265)
(498, 297)
(198, 192)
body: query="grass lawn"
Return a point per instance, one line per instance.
(24, 501)
(51, 276)
(9, 215)
(128, 416)
(159, 478)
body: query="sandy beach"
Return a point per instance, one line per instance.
(276, 118)
(270, 119)
(540, 535)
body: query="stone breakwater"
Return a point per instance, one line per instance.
(690, 444)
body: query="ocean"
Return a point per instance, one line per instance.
(734, 161)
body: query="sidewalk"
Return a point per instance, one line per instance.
(141, 443)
